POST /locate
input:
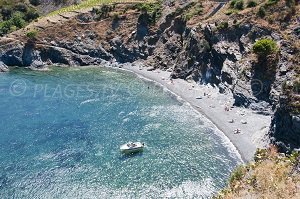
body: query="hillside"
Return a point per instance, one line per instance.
(16, 14)
(272, 175)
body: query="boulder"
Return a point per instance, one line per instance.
(37, 64)
(3, 67)
(12, 55)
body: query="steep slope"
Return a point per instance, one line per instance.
(250, 181)
(16, 14)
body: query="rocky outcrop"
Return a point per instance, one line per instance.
(285, 127)
(3, 67)
(12, 53)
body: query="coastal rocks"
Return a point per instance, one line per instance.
(142, 26)
(30, 55)
(56, 55)
(285, 127)
(3, 67)
(123, 53)
(242, 96)
(211, 56)
(87, 47)
(37, 64)
(227, 72)
(12, 54)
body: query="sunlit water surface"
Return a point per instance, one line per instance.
(61, 131)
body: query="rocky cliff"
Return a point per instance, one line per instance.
(199, 41)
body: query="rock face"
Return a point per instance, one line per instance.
(285, 131)
(11, 55)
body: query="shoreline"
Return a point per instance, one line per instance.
(207, 101)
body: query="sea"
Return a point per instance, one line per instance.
(60, 133)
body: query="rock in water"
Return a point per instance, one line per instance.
(37, 64)
(3, 67)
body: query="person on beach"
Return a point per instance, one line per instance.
(226, 108)
(231, 121)
(171, 81)
(237, 131)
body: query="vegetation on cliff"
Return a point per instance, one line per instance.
(272, 175)
(15, 14)
(265, 47)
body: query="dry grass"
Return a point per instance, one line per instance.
(272, 176)
(92, 3)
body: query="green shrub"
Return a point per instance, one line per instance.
(31, 15)
(6, 13)
(264, 47)
(261, 12)
(260, 155)
(223, 25)
(239, 5)
(237, 174)
(13, 28)
(32, 35)
(251, 4)
(148, 7)
(5, 27)
(232, 3)
(21, 7)
(271, 2)
(194, 11)
(230, 11)
(116, 16)
(153, 9)
(293, 157)
(17, 20)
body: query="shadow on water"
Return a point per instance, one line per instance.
(124, 157)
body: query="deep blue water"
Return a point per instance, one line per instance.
(60, 133)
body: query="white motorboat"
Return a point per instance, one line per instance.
(132, 147)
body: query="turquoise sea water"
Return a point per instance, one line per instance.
(60, 133)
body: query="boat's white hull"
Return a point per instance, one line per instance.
(127, 149)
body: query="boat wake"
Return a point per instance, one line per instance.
(89, 101)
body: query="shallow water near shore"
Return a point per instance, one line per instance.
(61, 131)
